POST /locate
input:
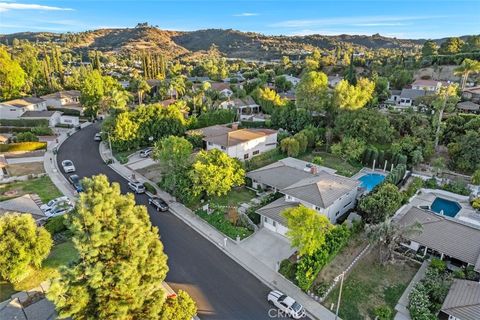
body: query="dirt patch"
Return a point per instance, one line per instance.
(153, 172)
(23, 154)
(22, 169)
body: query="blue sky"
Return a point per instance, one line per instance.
(402, 19)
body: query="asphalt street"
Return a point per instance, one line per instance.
(220, 286)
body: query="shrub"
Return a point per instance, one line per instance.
(42, 131)
(438, 264)
(66, 111)
(56, 225)
(457, 186)
(24, 122)
(150, 188)
(317, 160)
(23, 146)
(25, 137)
(431, 183)
(288, 269)
(320, 289)
(383, 313)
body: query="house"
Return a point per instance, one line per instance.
(14, 109)
(245, 108)
(63, 99)
(53, 117)
(462, 301)
(303, 183)
(26, 204)
(468, 107)
(394, 97)
(452, 240)
(242, 144)
(222, 88)
(427, 85)
(289, 95)
(407, 98)
(472, 94)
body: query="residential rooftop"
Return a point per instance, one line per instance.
(463, 300)
(236, 137)
(23, 102)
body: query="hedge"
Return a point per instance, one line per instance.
(56, 224)
(24, 122)
(150, 188)
(254, 124)
(66, 111)
(39, 131)
(23, 146)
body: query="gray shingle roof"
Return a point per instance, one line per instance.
(278, 175)
(321, 189)
(412, 93)
(38, 114)
(463, 300)
(445, 235)
(274, 209)
(468, 105)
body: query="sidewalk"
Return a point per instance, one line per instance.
(50, 164)
(265, 274)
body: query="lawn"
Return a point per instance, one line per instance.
(343, 168)
(371, 285)
(42, 186)
(60, 255)
(22, 169)
(234, 197)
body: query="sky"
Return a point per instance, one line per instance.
(402, 19)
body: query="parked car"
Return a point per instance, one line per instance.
(76, 183)
(98, 136)
(52, 203)
(145, 153)
(68, 166)
(158, 203)
(59, 209)
(136, 187)
(286, 304)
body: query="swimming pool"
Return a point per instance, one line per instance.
(371, 180)
(445, 207)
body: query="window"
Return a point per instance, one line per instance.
(265, 219)
(318, 208)
(337, 213)
(245, 156)
(223, 148)
(209, 143)
(256, 152)
(274, 223)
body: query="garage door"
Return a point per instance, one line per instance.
(274, 226)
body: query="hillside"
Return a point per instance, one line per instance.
(231, 43)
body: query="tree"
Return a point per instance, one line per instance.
(174, 151)
(468, 66)
(282, 84)
(290, 146)
(179, 307)
(353, 97)
(307, 229)
(312, 91)
(464, 152)
(114, 100)
(446, 98)
(349, 148)
(451, 46)
(476, 177)
(214, 173)
(369, 125)
(22, 245)
(92, 91)
(387, 236)
(380, 203)
(12, 76)
(400, 78)
(429, 48)
(140, 86)
(269, 99)
(122, 264)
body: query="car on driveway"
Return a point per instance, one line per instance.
(68, 166)
(286, 305)
(136, 187)
(76, 183)
(59, 209)
(52, 203)
(158, 203)
(98, 137)
(145, 153)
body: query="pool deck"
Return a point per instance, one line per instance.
(425, 197)
(366, 170)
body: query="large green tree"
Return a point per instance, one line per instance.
(307, 229)
(369, 125)
(349, 148)
(214, 173)
(22, 245)
(429, 48)
(467, 67)
(12, 76)
(121, 262)
(353, 97)
(451, 46)
(174, 151)
(381, 203)
(312, 91)
(92, 91)
(464, 152)
(179, 307)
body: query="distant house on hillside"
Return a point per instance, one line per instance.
(246, 108)
(472, 94)
(14, 109)
(63, 99)
(468, 107)
(427, 85)
(334, 80)
(222, 88)
(406, 98)
(292, 79)
(242, 144)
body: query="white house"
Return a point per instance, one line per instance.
(242, 144)
(303, 183)
(14, 109)
(62, 99)
(53, 117)
(427, 85)
(246, 108)
(222, 88)
(401, 100)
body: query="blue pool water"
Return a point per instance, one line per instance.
(447, 207)
(371, 180)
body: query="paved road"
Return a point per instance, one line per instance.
(221, 287)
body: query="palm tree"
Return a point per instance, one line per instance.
(446, 99)
(114, 100)
(387, 236)
(140, 86)
(468, 66)
(178, 85)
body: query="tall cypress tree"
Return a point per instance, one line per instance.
(121, 262)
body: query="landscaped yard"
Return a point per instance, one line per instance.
(264, 159)
(220, 222)
(343, 168)
(42, 186)
(371, 285)
(234, 197)
(60, 255)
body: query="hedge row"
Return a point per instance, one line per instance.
(39, 131)
(65, 111)
(24, 122)
(23, 146)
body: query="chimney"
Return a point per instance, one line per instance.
(235, 126)
(314, 170)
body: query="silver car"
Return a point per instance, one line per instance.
(136, 187)
(145, 153)
(286, 305)
(68, 166)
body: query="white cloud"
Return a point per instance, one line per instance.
(5, 6)
(246, 14)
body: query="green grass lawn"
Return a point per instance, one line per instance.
(60, 255)
(371, 285)
(343, 168)
(234, 197)
(42, 186)
(218, 221)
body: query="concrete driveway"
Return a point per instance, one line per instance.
(268, 247)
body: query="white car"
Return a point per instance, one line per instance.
(68, 166)
(136, 187)
(287, 305)
(59, 209)
(98, 137)
(52, 203)
(145, 153)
